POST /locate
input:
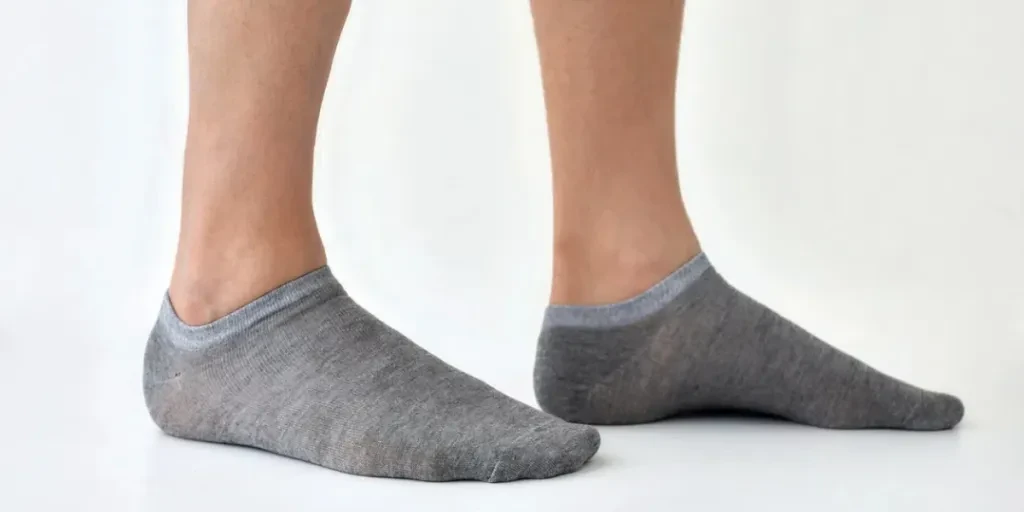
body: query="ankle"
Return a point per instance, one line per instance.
(588, 274)
(211, 283)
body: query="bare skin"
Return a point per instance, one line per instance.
(609, 71)
(258, 70)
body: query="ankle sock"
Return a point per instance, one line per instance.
(307, 373)
(693, 342)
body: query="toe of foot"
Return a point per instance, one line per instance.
(937, 411)
(547, 452)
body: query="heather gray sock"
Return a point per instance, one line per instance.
(693, 342)
(306, 372)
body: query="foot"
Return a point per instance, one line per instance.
(304, 372)
(693, 342)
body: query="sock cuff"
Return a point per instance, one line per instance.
(318, 284)
(630, 310)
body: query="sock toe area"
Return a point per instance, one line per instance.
(937, 411)
(545, 452)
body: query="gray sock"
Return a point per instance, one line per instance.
(693, 342)
(306, 372)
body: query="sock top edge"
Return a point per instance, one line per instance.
(633, 309)
(196, 336)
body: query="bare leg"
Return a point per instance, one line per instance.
(257, 76)
(285, 360)
(609, 71)
(692, 341)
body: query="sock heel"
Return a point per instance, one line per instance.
(163, 387)
(565, 378)
(568, 399)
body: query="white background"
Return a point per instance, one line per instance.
(857, 165)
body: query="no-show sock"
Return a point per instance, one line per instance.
(307, 373)
(693, 342)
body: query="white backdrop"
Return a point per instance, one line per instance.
(857, 165)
